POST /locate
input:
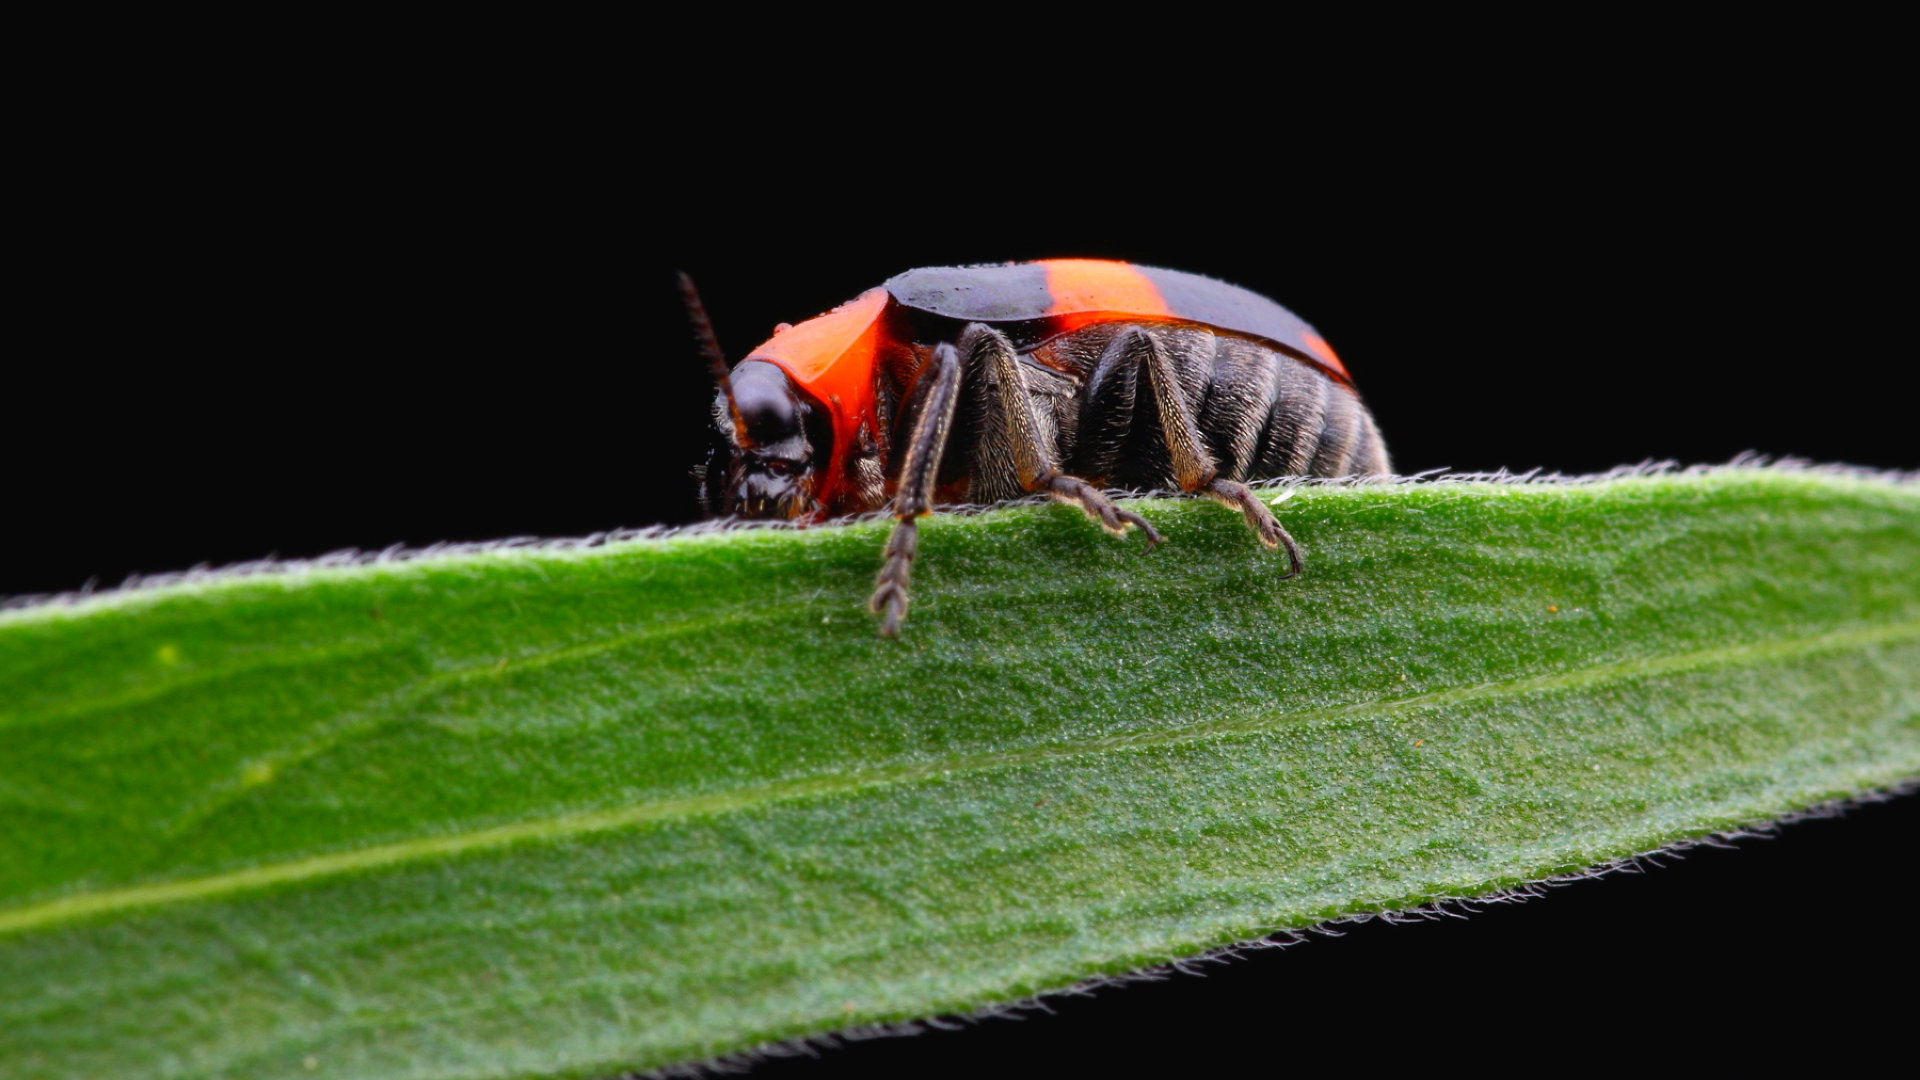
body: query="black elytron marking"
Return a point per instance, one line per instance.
(1019, 293)
(988, 294)
(1229, 307)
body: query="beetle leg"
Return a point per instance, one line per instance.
(1113, 518)
(1106, 410)
(1192, 464)
(1013, 426)
(1265, 525)
(914, 499)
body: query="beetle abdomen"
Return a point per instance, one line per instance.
(1261, 412)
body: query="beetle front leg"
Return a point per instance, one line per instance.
(1192, 464)
(914, 499)
(1012, 430)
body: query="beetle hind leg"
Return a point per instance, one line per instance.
(1193, 465)
(1264, 524)
(1012, 442)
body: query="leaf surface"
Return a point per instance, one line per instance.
(569, 811)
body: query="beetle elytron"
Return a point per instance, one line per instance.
(985, 383)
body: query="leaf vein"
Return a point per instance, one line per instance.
(83, 905)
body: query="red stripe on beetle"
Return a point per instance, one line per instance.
(831, 357)
(1319, 347)
(1088, 291)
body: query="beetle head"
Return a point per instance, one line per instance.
(762, 460)
(768, 430)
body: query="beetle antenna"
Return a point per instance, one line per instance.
(709, 346)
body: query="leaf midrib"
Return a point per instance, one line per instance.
(79, 906)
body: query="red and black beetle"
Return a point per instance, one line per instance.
(984, 383)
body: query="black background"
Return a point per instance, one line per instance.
(328, 323)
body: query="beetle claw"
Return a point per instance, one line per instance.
(1094, 502)
(1271, 533)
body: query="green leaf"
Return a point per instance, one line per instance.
(568, 811)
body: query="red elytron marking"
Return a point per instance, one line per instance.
(1088, 291)
(831, 357)
(1324, 351)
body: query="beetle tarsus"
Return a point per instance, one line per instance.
(890, 588)
(1102, 509)
(1265, 525)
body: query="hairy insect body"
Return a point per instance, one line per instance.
(1259, 413)
(1064, 377)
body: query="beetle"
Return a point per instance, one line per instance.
(1063, 376)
